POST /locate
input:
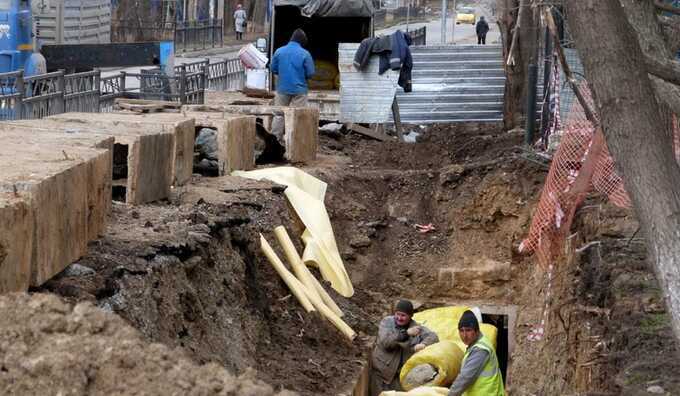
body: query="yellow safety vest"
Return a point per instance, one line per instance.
(490, 380)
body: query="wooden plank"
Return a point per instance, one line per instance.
(145, 106)
(234, 109)
(16, 242)
(301, 133)
(367, 132)
(397, 119)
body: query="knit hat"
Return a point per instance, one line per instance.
(468, 320)
(299, 37)
(404, 306)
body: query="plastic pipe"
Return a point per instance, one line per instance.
(302, 272)
(295, 286)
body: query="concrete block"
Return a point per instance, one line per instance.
(16, 243)
(301, 133)
(144, 157)
(45, 132)
(55, 182)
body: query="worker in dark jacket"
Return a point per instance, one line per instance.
(480, 374)
(399, 337)
(482, 29)
(293, 65)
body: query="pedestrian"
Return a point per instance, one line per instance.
(240, 18)
(399, 337)
(482, 29)
(480, 374)
(293, 65)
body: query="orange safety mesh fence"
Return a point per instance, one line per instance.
(581, 164)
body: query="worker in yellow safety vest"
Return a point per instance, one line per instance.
(480, 374)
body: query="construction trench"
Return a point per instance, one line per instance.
(176, 296)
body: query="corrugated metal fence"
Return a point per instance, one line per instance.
(456, 83)
(53, 93)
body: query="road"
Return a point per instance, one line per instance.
(455, 34)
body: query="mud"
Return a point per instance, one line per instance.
(188, 273)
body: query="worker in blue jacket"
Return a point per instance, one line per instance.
(293, 65)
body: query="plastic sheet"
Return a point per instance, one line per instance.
(306, 194)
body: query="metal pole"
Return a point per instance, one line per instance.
(531, 105)
(408, 14)
(454, 15)
(443, 37)
(547, 70)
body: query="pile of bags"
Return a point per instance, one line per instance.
(326, 77)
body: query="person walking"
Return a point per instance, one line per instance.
(293, 65)
(240, 18)
(482, 29)
(480, 374)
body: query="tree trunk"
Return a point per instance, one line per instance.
(514, 103)
(635, 132)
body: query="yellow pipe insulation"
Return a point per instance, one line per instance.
(306, 195)
(310, 300)
(295, 286)
(302, 272)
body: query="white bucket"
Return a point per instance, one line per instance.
(252, 58)
(256, 78)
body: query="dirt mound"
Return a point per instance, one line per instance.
(51, 347)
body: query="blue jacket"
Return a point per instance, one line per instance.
(294, 66)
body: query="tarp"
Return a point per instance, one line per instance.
(331, 8)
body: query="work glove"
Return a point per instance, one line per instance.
(413, 331)
(403, 335)
(419, 347)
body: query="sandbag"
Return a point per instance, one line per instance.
(326, 85)
(422, 391)
(325, 71)
(445, 356)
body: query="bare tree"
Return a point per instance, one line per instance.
(626, 99)
(517, 22)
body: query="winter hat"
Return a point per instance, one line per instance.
(404, 306)
(468, 320)
(299, 37)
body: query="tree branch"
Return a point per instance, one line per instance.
(667, 70)
(666, 7)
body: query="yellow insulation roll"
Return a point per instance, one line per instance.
(446, 356)
(422, 391)
(444, 322)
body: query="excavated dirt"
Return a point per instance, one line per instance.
(48, 347)
(188, 273)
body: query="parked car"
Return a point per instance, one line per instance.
(465, 15)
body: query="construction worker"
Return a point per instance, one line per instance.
(399, 337)
(293, 65)
(480, 374)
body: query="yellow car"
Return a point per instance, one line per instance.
(465, 15)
